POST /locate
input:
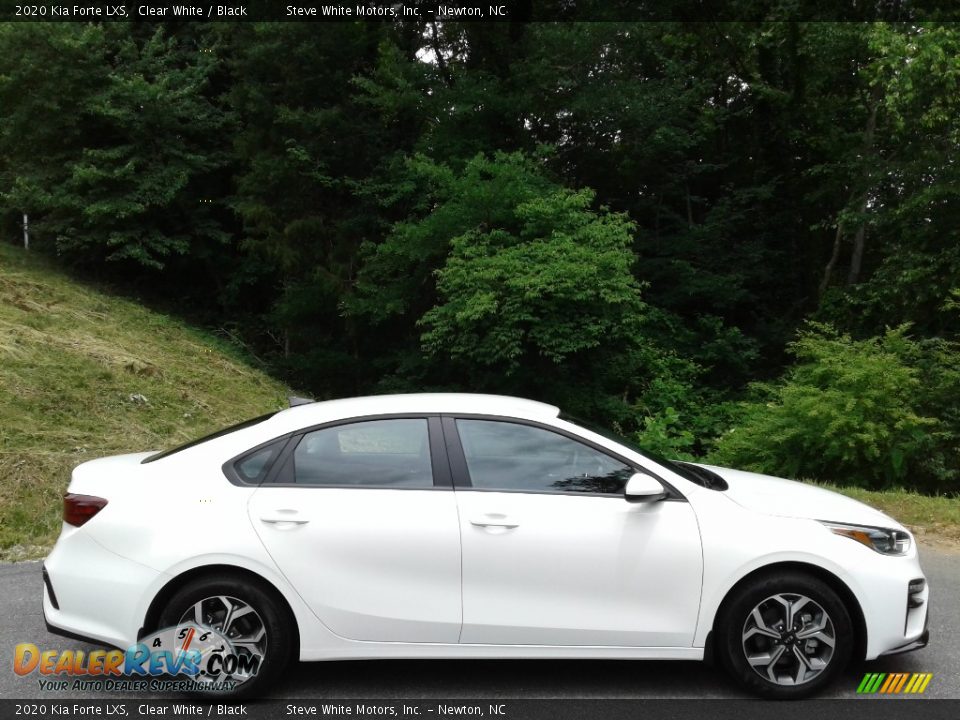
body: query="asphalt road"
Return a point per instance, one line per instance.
(22, 621)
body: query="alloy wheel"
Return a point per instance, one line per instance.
(788, 639)
(237, 622)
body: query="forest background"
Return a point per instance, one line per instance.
(738, 242)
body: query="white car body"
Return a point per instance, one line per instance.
(462, 573)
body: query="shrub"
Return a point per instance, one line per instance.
(850, 411)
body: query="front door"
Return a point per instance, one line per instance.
(552, 552)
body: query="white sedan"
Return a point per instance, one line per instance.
(475, 526)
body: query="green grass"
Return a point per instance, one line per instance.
(74, 364)
(932, 517)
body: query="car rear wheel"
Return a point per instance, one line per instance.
(251, 621)
(785, 636)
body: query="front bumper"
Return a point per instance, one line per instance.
(920, 642)
(894, 597)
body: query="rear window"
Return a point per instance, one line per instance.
(211, 436)
(375, 453)
(254, 466)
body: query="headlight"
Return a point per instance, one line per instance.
(883, 540)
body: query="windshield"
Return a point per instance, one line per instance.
(211, 436)
(694, 474)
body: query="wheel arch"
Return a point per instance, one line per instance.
(836, 584)
(160, 599)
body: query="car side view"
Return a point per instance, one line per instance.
(477, 526)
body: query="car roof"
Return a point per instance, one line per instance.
(427, 403)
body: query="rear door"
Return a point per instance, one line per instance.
(361, 519)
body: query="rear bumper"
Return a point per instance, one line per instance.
(54, 630)
(93, 594)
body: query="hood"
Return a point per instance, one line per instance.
(789, 498)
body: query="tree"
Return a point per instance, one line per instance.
(550, 280)
(49, 73)
(303, 154)
(911, 209)
(518, 284)
(116, 148)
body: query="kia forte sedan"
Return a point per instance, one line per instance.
(476, 526)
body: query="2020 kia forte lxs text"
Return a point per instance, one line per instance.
(473, 526)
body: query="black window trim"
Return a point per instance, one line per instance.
(461, 473)
(439, 464)
(222, 432)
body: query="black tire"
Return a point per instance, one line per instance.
(737, 613)
(280, 633)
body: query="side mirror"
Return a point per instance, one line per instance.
(643, 488)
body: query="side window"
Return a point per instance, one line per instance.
(375, 453)
(511, 456)
(254, 466)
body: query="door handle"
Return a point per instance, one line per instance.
(283, 516)
(494, 520)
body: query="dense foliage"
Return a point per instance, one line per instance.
(637, 221)
(848, 408)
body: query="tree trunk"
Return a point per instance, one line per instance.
(859, 240)
(860, 237)
(832, 263)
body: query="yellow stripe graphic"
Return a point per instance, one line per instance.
(926, 682)
(913, 681)
(921, 679)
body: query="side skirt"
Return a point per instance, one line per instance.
(361, 650)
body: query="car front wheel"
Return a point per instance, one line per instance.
(785, 636)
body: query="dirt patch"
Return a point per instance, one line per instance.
(939, 543)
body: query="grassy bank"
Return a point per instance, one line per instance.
(83, 374)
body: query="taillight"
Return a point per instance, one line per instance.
(77, 509)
